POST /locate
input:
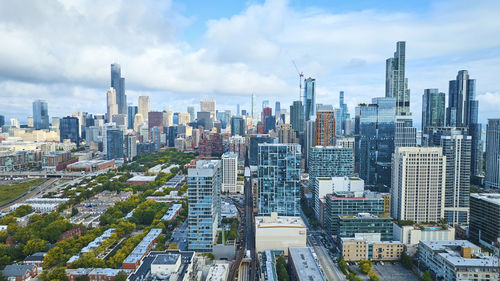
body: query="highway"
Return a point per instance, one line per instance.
(36, 192)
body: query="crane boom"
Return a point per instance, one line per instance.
(301, 74)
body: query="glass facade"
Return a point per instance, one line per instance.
(40, 115)
(118, 83)
(69, 129)
(348, 226)
(433, 109)
(238, 126)
(396, 84)
(297, 116)
(132, 111)
(114, 144)
(279, 179)
(309, 98)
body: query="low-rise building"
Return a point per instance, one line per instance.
(35, 259)
(360, 248)
(90, 165)
(20, 272)
(457, 260)
(138, 180)
(91, 246)
(169, 265)
(303, 265)
(348, 226)
(141, 250)
(269, 233)
(94, 274)
(218, 272)
(412, 234)
(172, 212)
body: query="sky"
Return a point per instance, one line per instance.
(179, 52)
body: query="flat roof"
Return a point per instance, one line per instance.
(493, 198)
(447, 250)
(280, 221)
(305, 264)
(142, 178)
(143, 246)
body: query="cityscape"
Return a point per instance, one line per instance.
(267, 181)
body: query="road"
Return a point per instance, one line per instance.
(37, 192)
(250, 230)
(180, 236)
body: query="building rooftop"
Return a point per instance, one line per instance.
(493, 198)
(305, 264)
(218, 272)
(12, 270)
(169, 258)
(142, 178)
(450, 251)
(279, 221)
(143, 246)
(172, 211)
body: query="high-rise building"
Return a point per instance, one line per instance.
(309, 139)
(255, 140)
(328, 161)
(309, 98)
(69, 129)
(143, 106)
(229, 172)
(155, 119)
(254, 109)
(111, 105)
(40, 115)
(190, 110)
(286, 134)
(203, 119)
(433, 109)
(279, 179)
(183, 118)
(406, 134)
(155, 138)
(344, 113)
(462, 111)
(118, 83)
(493, 154)
(132, 111)
(325, 128)
(168, 117)
(2, 120)
(138, 120)
(484, 224)
(396, 84)
(55, 122)
(277, 111)
(208, 106)
(114, 144)
(376, 126)
(238, 126)
(204, 188)
(297, 116)
(418, 184)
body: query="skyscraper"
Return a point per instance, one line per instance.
(118, 83)
(418, 184)
(254, 109)
(325, 128)
(208, 106)
(130, 146)
(309, 98)
(396, 84)
(493, 154)
(2, 120)
(111, 104)
(433, 109)
(344, 113)
(143, 106)
(114, 144)
(40, 115)
(68, 129)
(229, 172)
(190, 110)
(406, 134)
(297, 116)
(463, 112)
(132, 111)
(279, 179)
(238, 126)
(204, 188)
(277, 111)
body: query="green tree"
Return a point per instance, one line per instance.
(281, 270)
(35, 245)
(56, 274)
(426, 276)
(23, 210)
(365, 266)
(406, 260)
(121, 276)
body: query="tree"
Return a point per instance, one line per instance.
(121, 276)
(365, 266)
(426, 276)
(281, 268)
(23, 210)
(406, 260)
(56, 274)
(173, 246)
(35, 245)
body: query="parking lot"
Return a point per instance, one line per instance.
(396, 271)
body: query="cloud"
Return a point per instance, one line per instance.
(61, 51)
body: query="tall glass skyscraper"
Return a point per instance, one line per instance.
(493, 154)
(132, 111)
(69, 129)
(114, 144)
(279, 179)
(344, 113)
(238, 126)
(309, 98)
(396, 84)
(204, 216)
(375, 144)
(118, 83)
(40, 115)
(297, 116)
(433, 109)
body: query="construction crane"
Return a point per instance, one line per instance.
(301, 75)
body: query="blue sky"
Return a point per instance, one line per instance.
(179, 52)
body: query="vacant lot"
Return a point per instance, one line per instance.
(393, 271)
(11, 191)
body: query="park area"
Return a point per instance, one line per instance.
(11, 191)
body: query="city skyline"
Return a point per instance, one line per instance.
(355, 69)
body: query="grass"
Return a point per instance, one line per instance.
(11, 191)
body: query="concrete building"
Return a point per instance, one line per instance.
(269, 233)
(208, 106)
(325, 127)
(457, 260)
(418, 184)
(229, 172)
(359, 248)
(134, 259)
(413, 234)
(484, 223)
(111, 105)
(493, 154)
(349, 226)
(143, 106)
(286, 134)
(396, 83)
(303, 265)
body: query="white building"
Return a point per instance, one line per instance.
(418, 184)
(326, 186)
(279, 233)
(143, 107)
(208, 106)
(229, 172)
(457, 260)
(412, 234)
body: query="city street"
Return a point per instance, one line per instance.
(180, 236)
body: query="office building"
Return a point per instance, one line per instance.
(190, 110)
(433, 109)
(204, 187)
(309, 98)
(406, 134)
(118, 83)
(362, 248)
(208, 106)
(303, 265)
(130, 146)
(183, 118)
(155, 119)
(418, 184)
(254, 109)
(328, 162)
(204, 120)
(132, 111)
(325, 128)
(484, 223)
(40, 115)
(286, 134)
(297, 116)
(2, 120)
(309, 139)
(269, 232)
(365, 223)
(396, 83)
(413, 234)
(114, 144)
(229, 172)
(457, 260)
(155, 138)
(344, 113)
(143, 106)
(111, 104)
(69, 129)
(238, 126)
(492, 173)
(279, 179)
(376, 129)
